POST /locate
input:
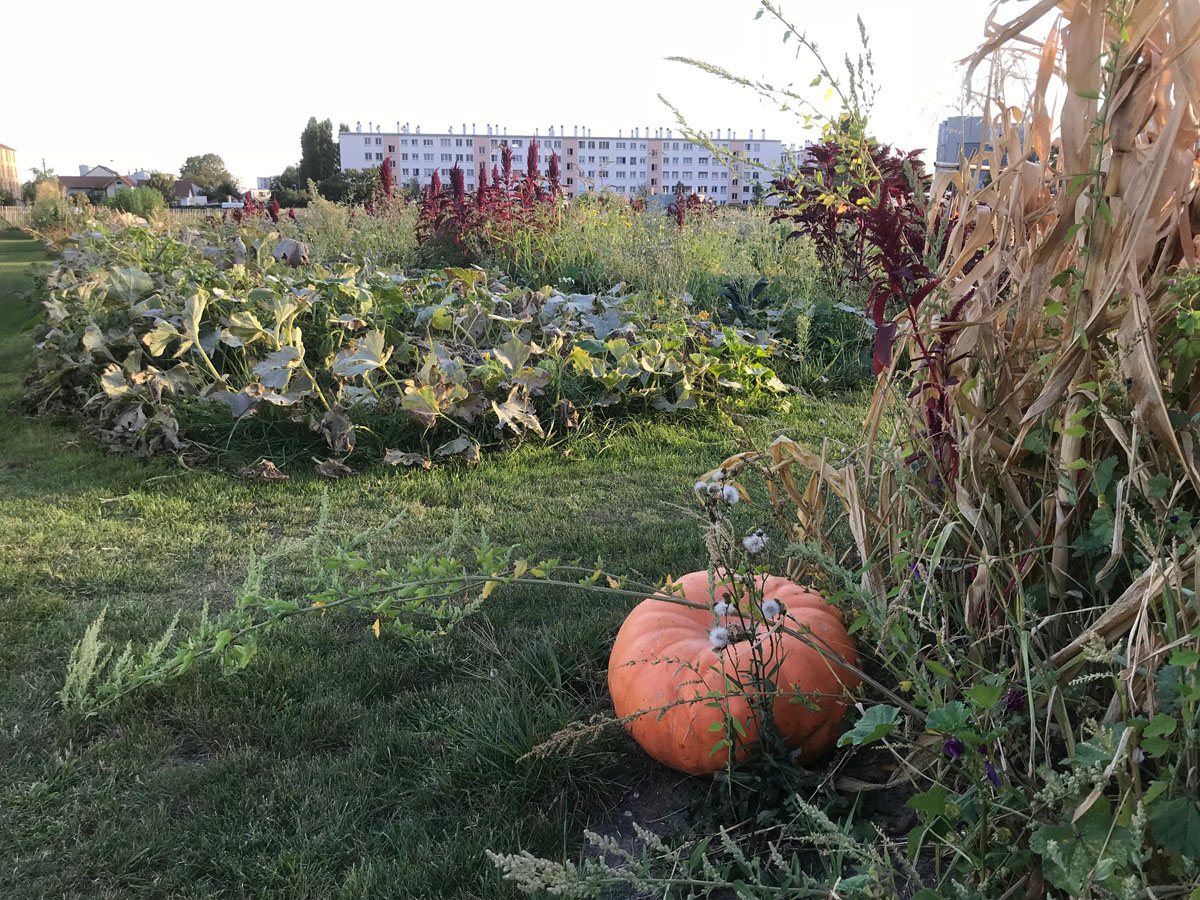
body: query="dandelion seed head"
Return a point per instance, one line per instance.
(723, 608)
(700, 487)
(719, 637)
(770, 609)
(730, 494)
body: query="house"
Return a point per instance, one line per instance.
(9, 181)
(188, 193)
(94, 179)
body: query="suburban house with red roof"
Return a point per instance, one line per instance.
(95, 179)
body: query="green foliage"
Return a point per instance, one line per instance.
(164, 183)
(142, 201)
(138, 348)
(209, 173)
(319, 155)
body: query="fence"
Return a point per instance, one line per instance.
(15, 215)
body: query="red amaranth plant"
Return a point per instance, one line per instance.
(691, 206)
(273, 210)
(385, 177)
(496, 210)
(552, 176)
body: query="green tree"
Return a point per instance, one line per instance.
(320, 157)
(209, 172)
(288, 189)
(7, 197)
(164, 184)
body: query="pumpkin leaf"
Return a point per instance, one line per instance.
(333, 469)
(411, 460)
(460, 446)
(517, 413)
(275, 370)
(362, 355)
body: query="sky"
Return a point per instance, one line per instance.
(165, 81)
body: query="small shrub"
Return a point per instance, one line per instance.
(141, 201)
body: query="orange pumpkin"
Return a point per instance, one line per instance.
(663, 655)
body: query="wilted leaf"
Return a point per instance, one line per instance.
(513, 353)
(412, 460)
(244, 326)
(460, 446)
(568, 415)
(113, 381)
(338, 431)
(333, 469)
(129, 284)
(159, 338)
(517, 413)
(264, 470)
(362, 355)
(275, 370)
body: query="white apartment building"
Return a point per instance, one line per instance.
(624, 164)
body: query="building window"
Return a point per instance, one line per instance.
(458, 142)
(391, 148)
(378, 141)
(379, 156)
(570, 181)
(445, 142)
(428, 157)
(445, 157)
(428, 142)
(604, 145)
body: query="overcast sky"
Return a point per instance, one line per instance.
(147, 84)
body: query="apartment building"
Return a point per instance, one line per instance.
(9, 179)
(626, 163)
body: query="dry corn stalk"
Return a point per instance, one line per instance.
(1106, 194)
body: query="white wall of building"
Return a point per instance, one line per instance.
(620, 164)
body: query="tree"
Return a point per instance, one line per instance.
(29, 188)
(164, 184)
(320, 157)
(209, 173)
(7, 197)
(288, 189)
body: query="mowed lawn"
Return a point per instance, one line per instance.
(337, 764)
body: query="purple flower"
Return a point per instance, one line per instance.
(954, 747)
(993, 777)
(1014, 700)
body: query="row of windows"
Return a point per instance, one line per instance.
(518, 142)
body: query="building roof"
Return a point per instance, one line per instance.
(184, 189)
(6, 147)
(91, 182)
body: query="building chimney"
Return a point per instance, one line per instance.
(358, 126)
(576, 131)
(418, 129)
(464, 124)
(751, 134)
(472, 128)
(489, 130)
(506, 131)
(619, 132)
(83, 170)
(762, 133)
(451, 127)
(370, 126)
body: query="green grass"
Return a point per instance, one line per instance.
(338, 764)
